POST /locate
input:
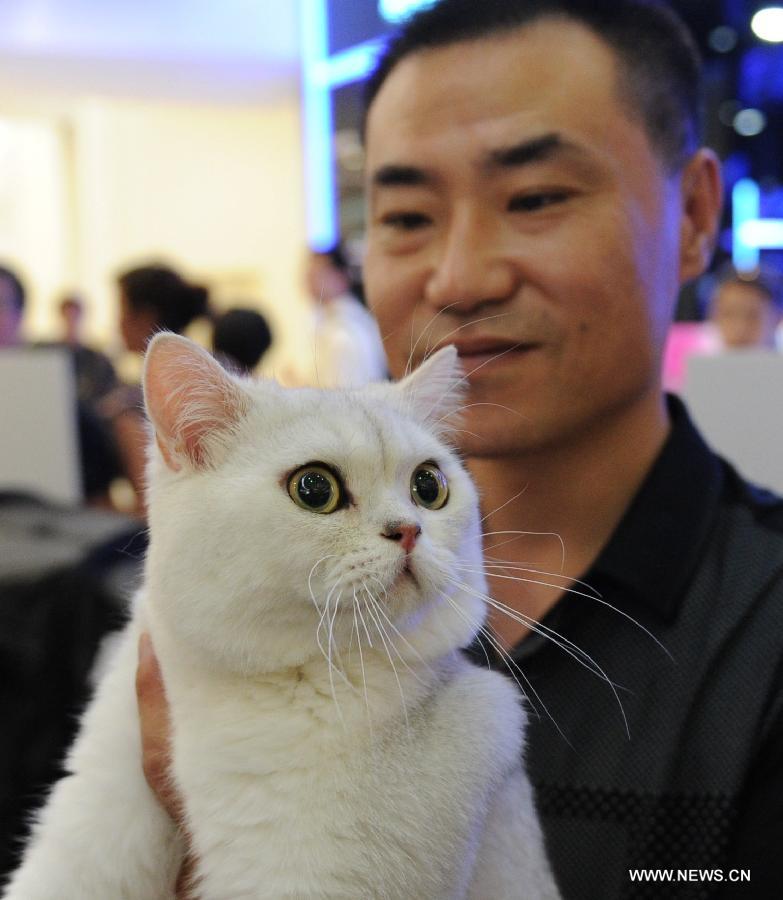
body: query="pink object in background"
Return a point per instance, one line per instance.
(686, 339)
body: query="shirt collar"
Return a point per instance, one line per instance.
(653, 553)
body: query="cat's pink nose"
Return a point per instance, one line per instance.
(403, 532)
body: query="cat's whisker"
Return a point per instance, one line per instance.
(459, 328)
(512, 667)
(326, 652)
(380, 584)
(361, 664)
(332, 668)
(312, 571)
(424, 331)
(596, 598)
(558, 639)
(324, 613)
(575, 652)
(505, 566)
(518, 534)
(361, 616)
(479, 628)
(471, 433)
(382, 632)
(379, 609)
(504, 505)
(465, 406)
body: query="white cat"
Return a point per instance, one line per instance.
(329, 740)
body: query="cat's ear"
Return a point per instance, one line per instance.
(193, 403)
(435, 391)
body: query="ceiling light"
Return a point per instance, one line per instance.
(767, 24)
(750, 122)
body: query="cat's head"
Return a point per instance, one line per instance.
(289, 522)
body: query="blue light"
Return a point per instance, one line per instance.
(762, 233)
(751, 233)
(396, 11)
(348, 66)
(322, 228)
(745, 207)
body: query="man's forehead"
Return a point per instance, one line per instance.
(548, 76)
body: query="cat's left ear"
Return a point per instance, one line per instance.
(193, 403)
(435, 391)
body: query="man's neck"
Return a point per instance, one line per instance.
(553, 511)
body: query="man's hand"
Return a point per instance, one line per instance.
(155, 729)
(156, 748)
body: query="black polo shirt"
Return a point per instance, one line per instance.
(688, 775)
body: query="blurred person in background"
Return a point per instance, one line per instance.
(348, 349)
(747, 310)
(71, 310)
(94, 377)
(152, 298)
(240, 338)
(95, 374)
(12, 297)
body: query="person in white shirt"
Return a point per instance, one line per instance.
(347, 346)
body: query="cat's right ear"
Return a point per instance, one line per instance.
(435, 391)
(193, 403)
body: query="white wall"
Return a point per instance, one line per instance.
(34, 210)
(215, 190)
(107, 183)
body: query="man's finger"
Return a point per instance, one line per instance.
(155, 726)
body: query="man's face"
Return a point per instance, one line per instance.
(517, 210)
(744, 315)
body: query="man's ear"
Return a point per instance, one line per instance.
(192, 402)
(702, 199)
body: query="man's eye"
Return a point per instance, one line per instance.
(408, 221)
(535, 202)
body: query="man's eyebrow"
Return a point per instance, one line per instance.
(394, 175)
(523, 153)
(530, 151)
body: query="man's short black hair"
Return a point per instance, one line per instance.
(659, 74)
(16, 285)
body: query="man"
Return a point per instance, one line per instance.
(537, 195)
(747, 310)
(12, 300)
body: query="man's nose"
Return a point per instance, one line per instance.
(469, 268)
(405, 532)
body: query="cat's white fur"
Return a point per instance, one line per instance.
(317, 757)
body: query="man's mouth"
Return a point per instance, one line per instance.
(478, 353)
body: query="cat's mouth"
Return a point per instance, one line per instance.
(407, 573)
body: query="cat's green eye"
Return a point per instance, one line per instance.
(316, 489)
(429, 487)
